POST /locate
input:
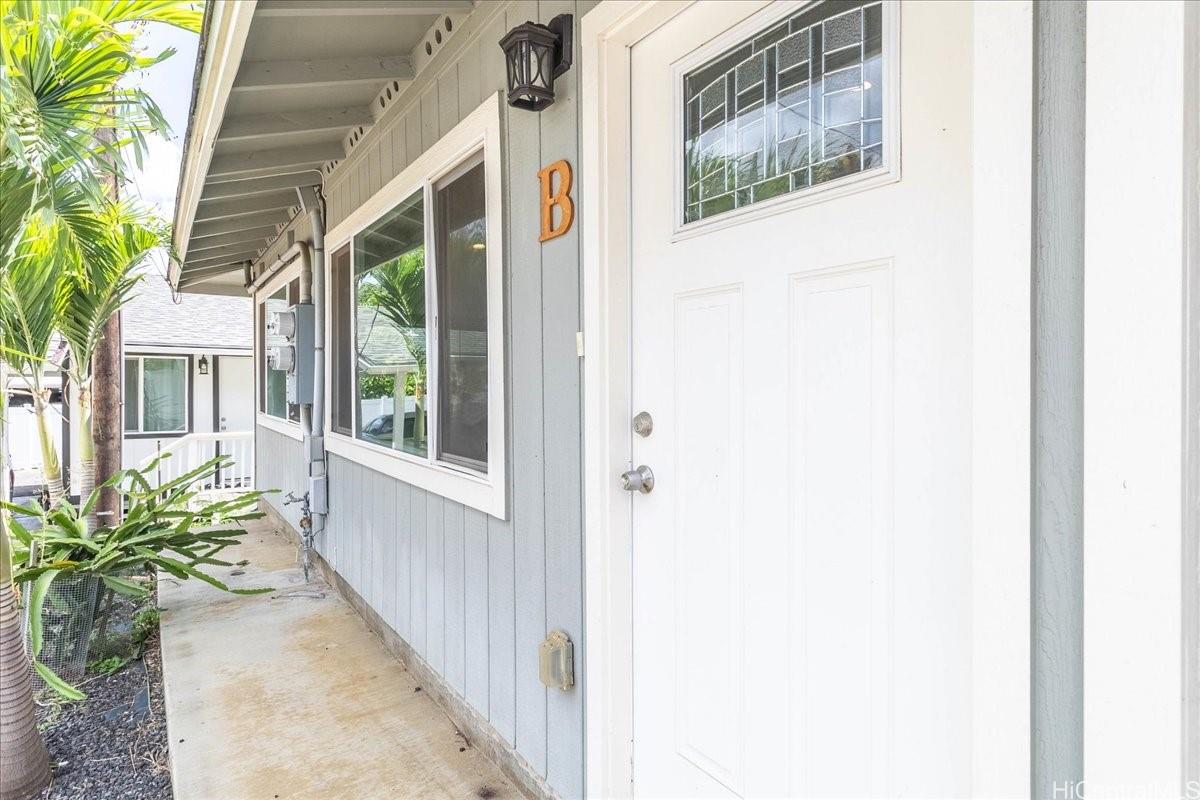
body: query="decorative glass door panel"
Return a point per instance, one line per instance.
(797, 105)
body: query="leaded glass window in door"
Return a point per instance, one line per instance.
(792, 107)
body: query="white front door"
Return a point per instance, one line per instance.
(800, 338)
(235, 394)
(235, 407)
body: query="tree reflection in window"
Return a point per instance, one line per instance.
(390, 353)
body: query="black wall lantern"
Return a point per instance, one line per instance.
(535, 56)
(203, 365)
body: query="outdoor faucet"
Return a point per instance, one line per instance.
(306, 529)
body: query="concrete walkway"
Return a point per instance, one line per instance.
(288, 696)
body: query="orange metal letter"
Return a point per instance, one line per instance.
(552, 198)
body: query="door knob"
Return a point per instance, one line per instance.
(638, 480)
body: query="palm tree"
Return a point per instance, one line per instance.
(96, 282)
(397, 289)
(68, 116)
(28, 286)
(24, 762)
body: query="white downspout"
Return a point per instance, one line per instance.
(316, 454)
(306, 296)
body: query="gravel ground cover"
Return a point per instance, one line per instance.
(113, 745)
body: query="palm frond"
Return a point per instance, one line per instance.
(104, 276)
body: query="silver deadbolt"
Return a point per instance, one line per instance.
(643, 424)
(638, 480)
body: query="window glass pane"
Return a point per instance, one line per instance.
(342, 391)
(164, 394)
(275, 389)
(789, 108)
(131, 394)
(390, 363)
(460, 221)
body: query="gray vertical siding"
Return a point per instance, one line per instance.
(474, 595)
(279, 464)
(1056, 553)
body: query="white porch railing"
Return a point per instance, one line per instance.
(189, 452)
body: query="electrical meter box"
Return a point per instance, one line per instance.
(295, 359)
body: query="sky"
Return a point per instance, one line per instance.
(170, 84)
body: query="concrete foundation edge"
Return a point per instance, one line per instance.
(477, 730)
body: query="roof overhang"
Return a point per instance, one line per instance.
(284, 90)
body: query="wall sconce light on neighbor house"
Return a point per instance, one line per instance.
(535, 55)
(203, 365)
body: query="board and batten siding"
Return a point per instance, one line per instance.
(279, 464)
(474, 595)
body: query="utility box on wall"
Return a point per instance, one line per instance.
(296, 357)
(556, 661)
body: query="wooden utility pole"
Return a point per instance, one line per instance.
(107, 395)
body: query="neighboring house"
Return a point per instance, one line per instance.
(785, 433)
(188, 372)
(23, 447)
(188, 367)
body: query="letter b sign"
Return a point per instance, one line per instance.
(559, 196)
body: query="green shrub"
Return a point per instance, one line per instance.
(170, 527)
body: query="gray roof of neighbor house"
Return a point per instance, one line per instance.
(284, 91)
(197, 321)
(381, 346)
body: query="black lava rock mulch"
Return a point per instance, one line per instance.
(113, 745)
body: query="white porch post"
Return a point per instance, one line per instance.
(1140, 401)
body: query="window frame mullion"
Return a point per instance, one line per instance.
(432, 344)
(352, 310)
(141, 394)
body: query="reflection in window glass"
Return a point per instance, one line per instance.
(342, 335)
(164, 394)
(792, 107)
(460, 224)
(391, 371)
(275, 380)
(132, 382)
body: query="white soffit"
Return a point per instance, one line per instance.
(287, 89)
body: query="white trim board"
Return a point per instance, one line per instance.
(1002, 199)
(228, 30)
(1140, 257)
(1002, 426)
(187, 349)
(286, 427)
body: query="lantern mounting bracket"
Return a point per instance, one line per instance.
(563, 27)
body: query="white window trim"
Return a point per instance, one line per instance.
(479, 130)
(820, 193)
(140, 358)
(281, 425)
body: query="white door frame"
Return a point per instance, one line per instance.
(1001, 391)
